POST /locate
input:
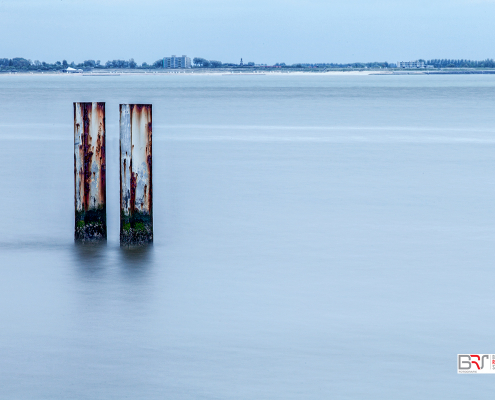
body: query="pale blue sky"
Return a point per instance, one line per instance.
(263, 31)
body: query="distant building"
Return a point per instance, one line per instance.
(176, 62)
(241, 64)
(411, 64)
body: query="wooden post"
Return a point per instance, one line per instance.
(136, 188)
(89, 172)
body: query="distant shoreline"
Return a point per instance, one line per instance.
(186, 72)
(221, 72)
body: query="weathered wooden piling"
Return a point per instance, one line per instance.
(89, 172)
(136, 188)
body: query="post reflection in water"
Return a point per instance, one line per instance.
(109, 282)
(92, 259)
(136, 261)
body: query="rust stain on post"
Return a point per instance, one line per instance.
(136, 189)
(89, 172)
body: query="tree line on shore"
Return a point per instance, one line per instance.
(488, 63)
(22, 64)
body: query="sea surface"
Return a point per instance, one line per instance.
(315, 237)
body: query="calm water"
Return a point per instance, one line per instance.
(315, 238)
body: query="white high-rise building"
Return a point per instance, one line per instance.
(410, 64)
(176, 62)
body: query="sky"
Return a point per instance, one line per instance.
(261, 31)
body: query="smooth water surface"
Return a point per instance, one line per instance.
(316, 237)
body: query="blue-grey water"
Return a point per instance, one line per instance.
(316, 237)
